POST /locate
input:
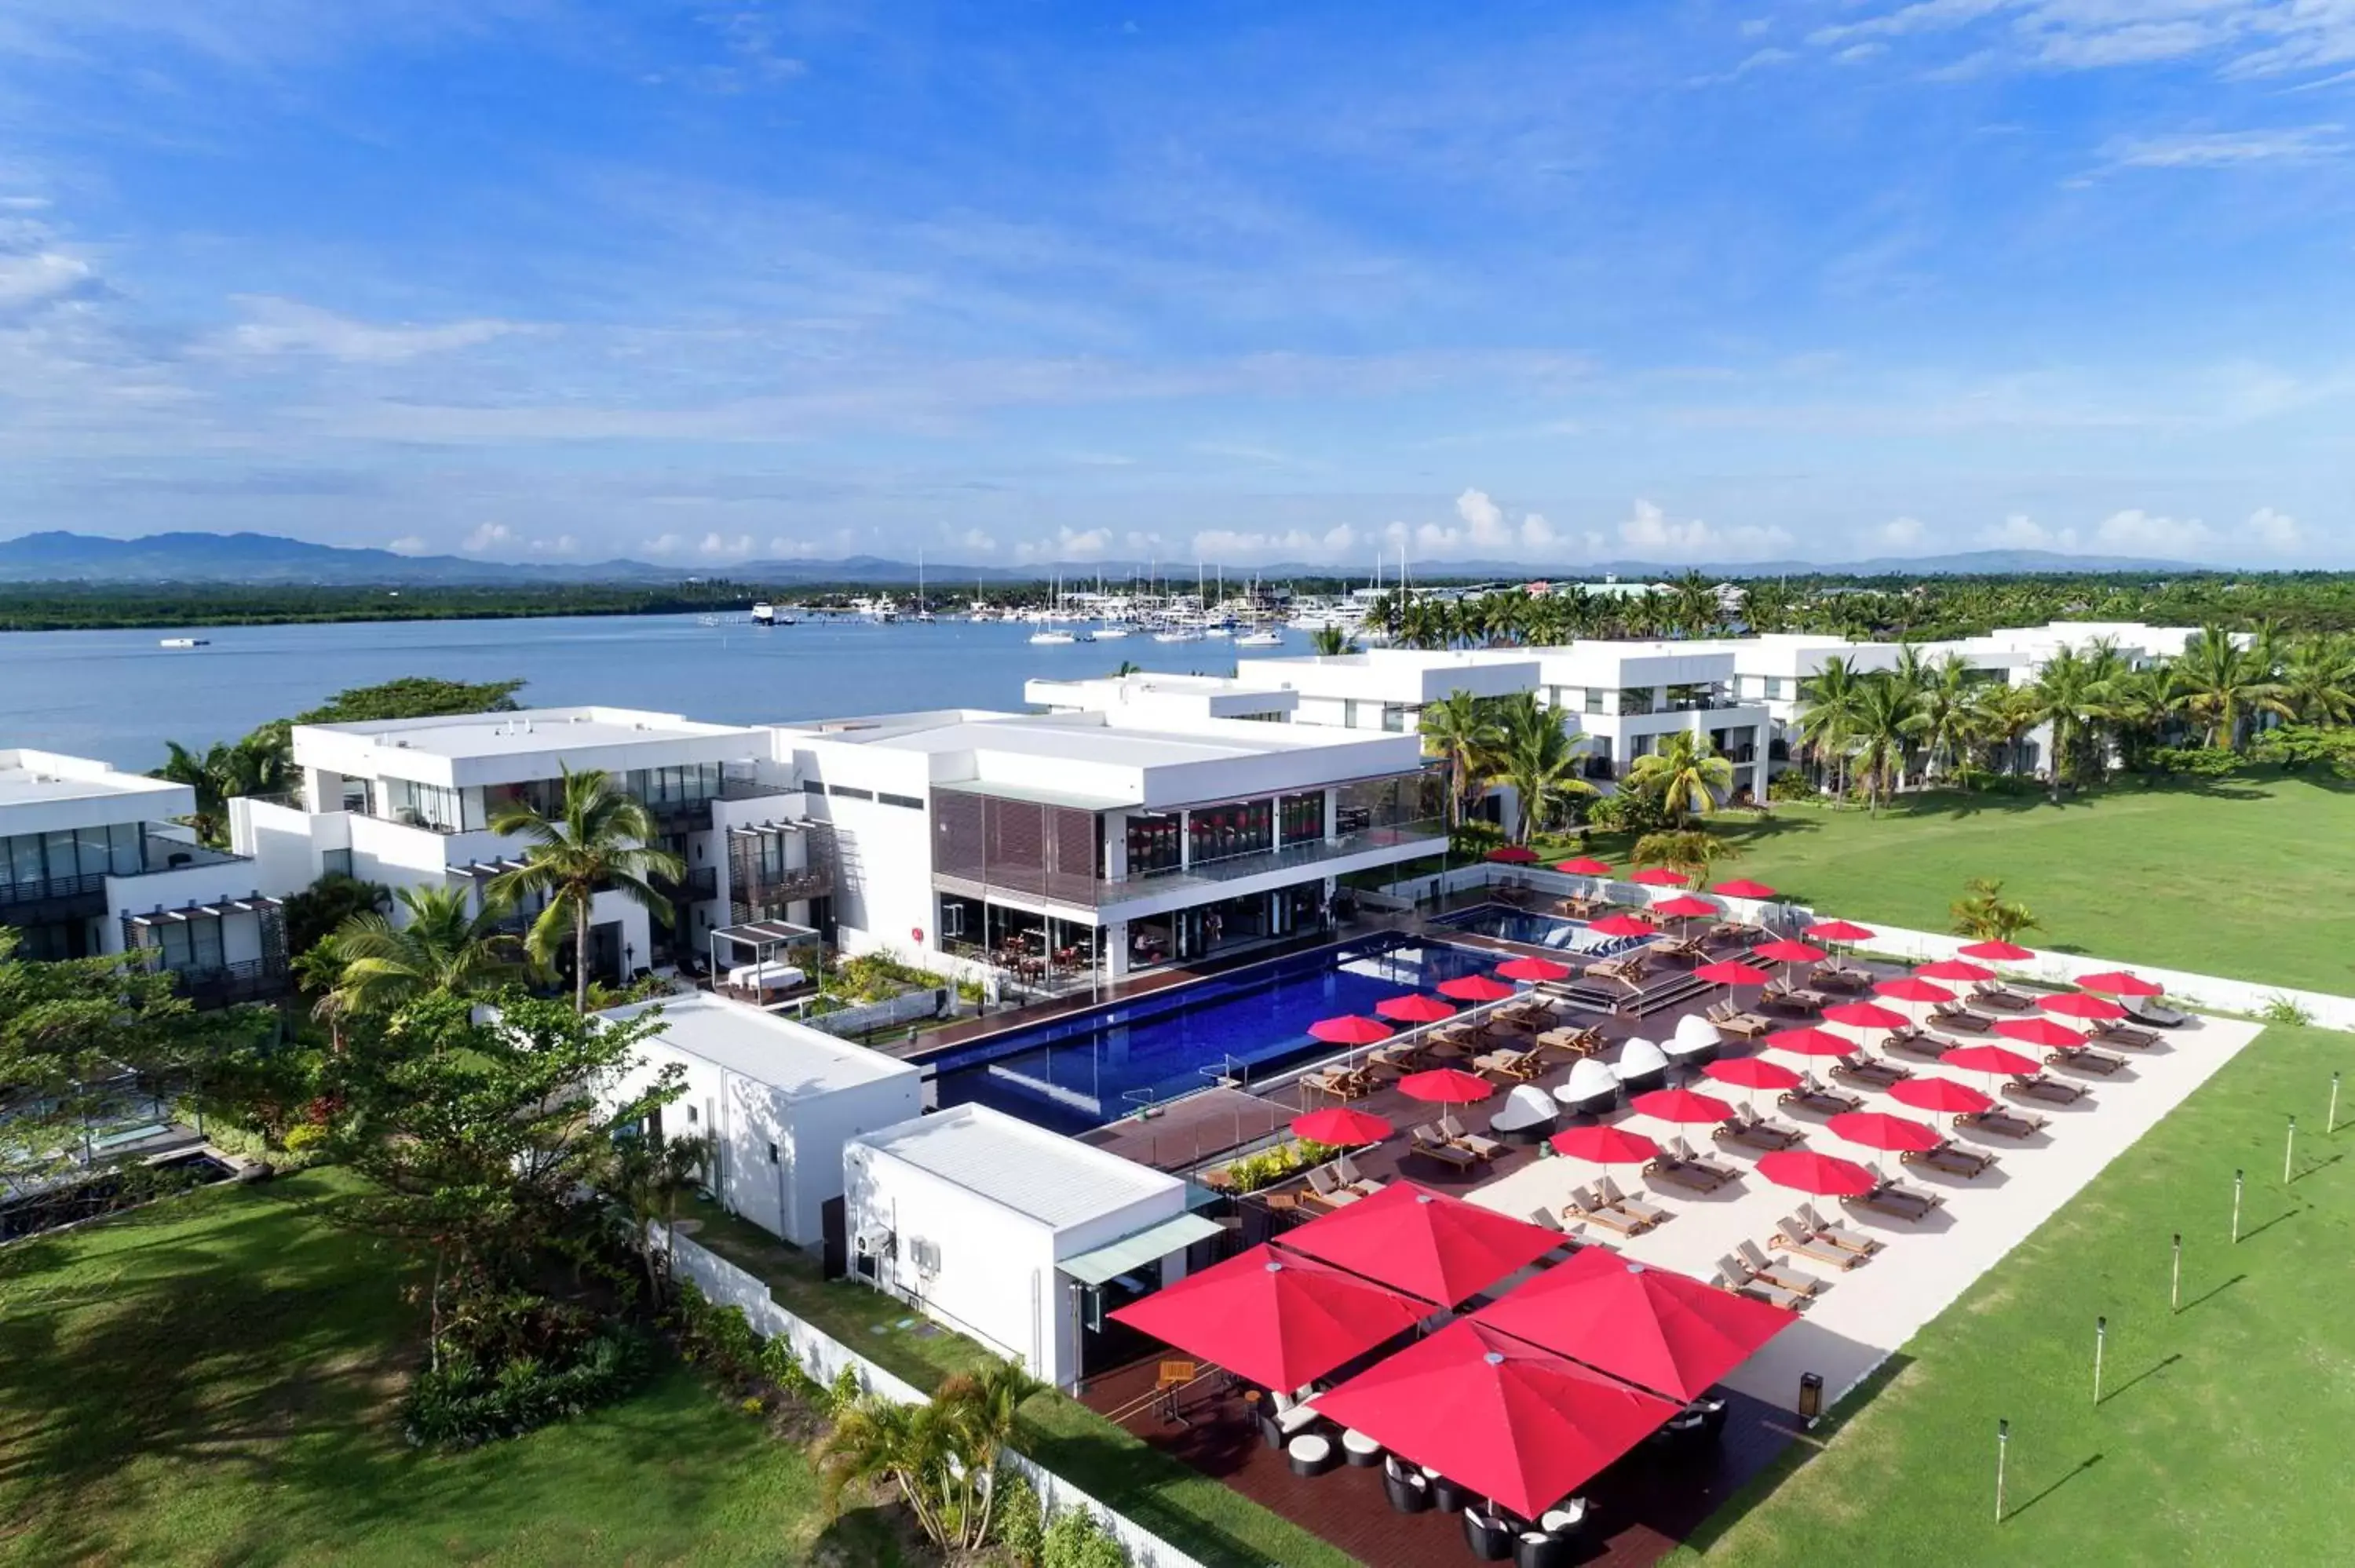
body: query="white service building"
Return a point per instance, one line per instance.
(1011, 1234)
(778, 1099)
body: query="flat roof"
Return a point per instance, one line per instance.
(41, 778)
(529, 730)
(1056, 1180)
(787, 1055)
(1095, 738)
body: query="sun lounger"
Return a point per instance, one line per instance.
(1609, 1191)
(1572, 1039)
(1691, 1156)
(1610, 1216)
(1792, 1237)
(1729, 930)
(1753, 1260)
(1401, 1057)
(2151, 1011)
(1902, 1202)
(1628, 968)
(2116, 1033)
(1427, 1140)
(1870, 1072)
(1343, 1082)
(2053, 1091)
(1813, 1223)
(2004, 1124)
(1519, 1065)
(1838, 977)
(1814, 1097)
(1958, 1019)
(2084, 1059)
(1759, 1289)
(1325, 1189)
(1916, 1043)
(1792, 997)
(1732, 1020)
(1995, 993)
(1952, 1159)
(1751, 1130)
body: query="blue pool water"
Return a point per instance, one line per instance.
(1508, 924)
(1082, 1071)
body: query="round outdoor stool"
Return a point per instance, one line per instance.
(1310, 1455)
(1360, 1450)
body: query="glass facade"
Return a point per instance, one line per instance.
(1221, 832)
(1154, 845)
(415, 805)
(51, 865)
(1303, 816)
(685, 785)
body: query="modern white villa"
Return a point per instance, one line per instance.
(91, 863)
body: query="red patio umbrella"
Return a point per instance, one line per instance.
(1684, 906)
(1742, 887)
(1839, 931)
(1907, 989)
(2119, 982)
(1682, 1105)
(1864, 1015)
(1341, 1126)
(1447, 1087)
(1997, 952)
(1414, 1008)
(1350, 1029)
(2078, 1004)
(1624, 926)
(1879, 1130)
(1751, 1073)
(1804, 1170)
(1988, 1059)
(1605, 1145)
(1936, 1094)
(2040, 1032)
(1274, 1317)
(1783, 951)
(1658, 877)
(1513, 855)
(1496, 1416)
(1732, 971)
(1810, 1041)
(1656, 1328)
(1532, 969)
(1474, 988)
(1440, 1248)
(1953, 969)
(1585, 865)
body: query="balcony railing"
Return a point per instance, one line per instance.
(223, 985)
(1099, 892)
(786, 886)
(700, 882)
(40, 889)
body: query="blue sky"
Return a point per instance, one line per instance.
(1565, 282)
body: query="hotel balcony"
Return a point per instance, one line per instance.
(1422, 836)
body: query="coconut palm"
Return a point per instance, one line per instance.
(2318, 678)
(1832, 695)
(1331, 642)
(1983, 914)
(1888, 715)
(1538, 759)
(983, 1408)
(598, 837)
(2069, 696)
(1950, 717)
(1694, 606)
(256, 765)
(1692, 851)
(648, 1176)
(1462, 731)
(439, 949)
(2222, 686)
(1686, 775)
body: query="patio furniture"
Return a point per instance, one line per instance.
(1574, 1039)
(2118, 1033)
(1718, 1173)
(1591, 1090)
(1870, 1072)
(1408, 1491)
(1952, 1159)
(1327, 1189)
(1731, 1019)
(2052, 1091)
(2004, 1123)
(1359, 1451)
(1751, 1130)
(1696, 1040)
(1591, 1210)
(1995, 993)
(1751, 1257)
(1488, 1535)
(1628, 968)
(1796, 999)
(1342, 1083)
(2084, 1059)
(1961, 1019)
(1309, 1455)
(1791, 1236)
(1813, 1096)
(1838, 977)
(1544, 1549)
(1681, 948)
(1915, 1041)
(1642, 1066)
(1900, 1201)
(1608, 1190)
(1579, 908)
(1399, 1057)
(1761, 1290)
(1841, 1237)
(1520, 1065)
(1446, 1495)
(1529, 1116)
(1427, 1140)
(2151, 1011)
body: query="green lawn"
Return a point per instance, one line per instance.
(213, 1380)
(2223, 1435)
(2247, 879)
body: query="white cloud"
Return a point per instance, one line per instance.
(30, 278)
(1650, 531)
(1227, 544)
(1483, 519)
(410, 545)
(2021, 532)
(562, 545)
(2277, 532)
(488, 537)
(664, 545)
(2227, 149)
(1902, 533)
(979, 542)
(2251, 37)
(2139, 533)
(721, 547)
(1067, 545)
(276, 326)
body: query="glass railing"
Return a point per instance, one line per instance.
(1096, 892)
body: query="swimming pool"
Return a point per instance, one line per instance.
(1075, 1073)
(1511, 924)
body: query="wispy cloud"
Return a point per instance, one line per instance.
(2228, 149)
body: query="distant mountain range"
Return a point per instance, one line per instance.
(267, 558)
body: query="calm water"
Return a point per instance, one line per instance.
(119, 695)
(1082, 1071)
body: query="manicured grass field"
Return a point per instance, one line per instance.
(2248, 879)
(2222, 1432)
(213, 1380)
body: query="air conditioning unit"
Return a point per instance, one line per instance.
(872, 1241)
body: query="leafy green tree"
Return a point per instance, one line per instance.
(599, 837)
(1985, 915)
(442, 948)
(2318, 678)
(2071, 696)
(1951, 717)
(1686, 775)
(940, 1456)
(414, 696)
(648, 1176)
(1538, 759)
(320, 909)
(2222, 686)
(1462, 731)
(1832, 695)
(221, 772)
(1694, 851)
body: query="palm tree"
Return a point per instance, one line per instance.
(2139, 703)
(599, 837)
(1950, 718)
(1985, 915)
(2070, 697)
(1462, 731)
(1887, 714)
(441, 950)
(1694, 606)
(256, 765)
(1832, 696)
(1692, 851)
(983, 1409)
(1686, 774)
(1538, 759)
(2224, 685)
(909, 1447)
(2318, 678)
(1331, 642)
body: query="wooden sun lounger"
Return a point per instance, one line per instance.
(1903, 1203)
(1753, 1131)
(1917, 1042)
(1575, 1040)
(1995, 993)
(2003, 1123)
(1841, 1236)
(1727, 930)
(1627, 968)
(1427, 1140)
(1961, 1019)
(1870, 1072)
(1813, 1096)
(2053, 1091)
(1838, 977)
(1678, 1173)
(1610, 1216)
(1733, 1021)
(1681, 948)
(1952, 1159)
(1792, 1237)
(1520, 1065)
(2084, 1059)
(1794, 998)
(1344, 1083)
(2118, 1034)
(1401, 1056)
(1754, 1259)
(1610, 1192)
(1761, 1290)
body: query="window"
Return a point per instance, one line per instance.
(1152, 845)
(418, 805)
(690, 1115)
(1221, 832)
(1303, 816)
(908, 802)
(1395, 718)
(1774, 687)
(813, 787)
(336, 863)
(683, 785)
(1595, 699)
(772, 1154)
(1635, 699)
(850, 793)
(127, 849)
(191, 947)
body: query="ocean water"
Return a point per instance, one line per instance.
(119, 695)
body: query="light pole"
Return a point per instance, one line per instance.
(2237, 1179)
(2100, 1339)
(2002, 1446)
(2175, 1284)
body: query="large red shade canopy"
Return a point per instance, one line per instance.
(1349, 1030)
(1474, 988)
(1585, 865)
(1414, 1008)
(1446, 1085)
(1656, 1328)
(2077, 1004)
(1730, 971)
(2041, 1031)
(1341, 1126)
(1682, 1105)
(1878, 1129)
(1513, 855)
(1935, 1094)
(1908, 989)
(1533, 969)
(1864, 1015)
(1275, 1317)
(1988, 1059)
(1783, 951)
(1742, 887)
(1624, 926)
(1839, 931)
(1604, 1146)
(1440, 1248)
(1810, 1041)
(1751, 1073)
(2119, 982)
(1684, 906)
(1804, 1170)
(1497, 1416)
(1997, 952)
(1955, 969)
(1658, 877)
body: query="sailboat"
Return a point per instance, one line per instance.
(924, 605)
(1052, 635)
